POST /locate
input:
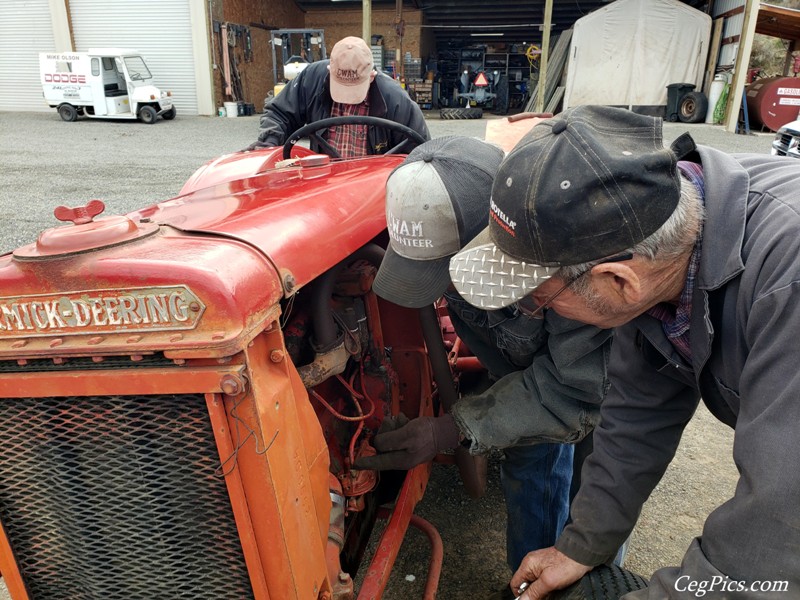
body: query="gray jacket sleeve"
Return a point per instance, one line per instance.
(698, 578)
(556, 399)
(641, 423)
(753, 539)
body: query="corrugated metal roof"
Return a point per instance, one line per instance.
(459, 21)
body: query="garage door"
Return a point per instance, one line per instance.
(160, 29)
(25, 30)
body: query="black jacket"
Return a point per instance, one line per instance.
(307, 99)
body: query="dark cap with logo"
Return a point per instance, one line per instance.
(583, 186)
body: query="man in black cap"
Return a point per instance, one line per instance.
(694, 257)
(550, 372)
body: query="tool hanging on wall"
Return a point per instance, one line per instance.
(248, 46)
(231, 37)
(226, 63)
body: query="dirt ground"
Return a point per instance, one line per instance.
(701, 477)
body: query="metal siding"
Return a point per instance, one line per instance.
(723, 6)
(160, 29)
(25, 30)
(733, 27)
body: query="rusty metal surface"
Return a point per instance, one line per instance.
(392, 538)
(236, 491)
(282, 459)
(141, 381)
(171, 290)
(116, 497)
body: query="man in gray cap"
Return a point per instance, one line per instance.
(694, 256)
(550, 372)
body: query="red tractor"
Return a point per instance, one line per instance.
(184, 391)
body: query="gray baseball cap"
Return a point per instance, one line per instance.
(437, 200)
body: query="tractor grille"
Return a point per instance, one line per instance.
(85, 363)
(111, 497)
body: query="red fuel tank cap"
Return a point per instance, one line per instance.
(84, 233)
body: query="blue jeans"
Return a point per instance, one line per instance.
(536, 481)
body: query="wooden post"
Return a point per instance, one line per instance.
(742, 63)
(366, 21)
(789, 60)
(548, 17)
(713, 54)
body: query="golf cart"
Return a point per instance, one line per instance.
(103, 84)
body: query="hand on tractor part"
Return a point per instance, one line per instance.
(256, 146)
(545, 571)
(414, 443)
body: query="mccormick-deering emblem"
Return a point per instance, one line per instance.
(100, 311)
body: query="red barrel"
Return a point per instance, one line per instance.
(774, 101)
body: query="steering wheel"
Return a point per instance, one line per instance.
(312, 130)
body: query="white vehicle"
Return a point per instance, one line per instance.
(102, 84)
(787, 140)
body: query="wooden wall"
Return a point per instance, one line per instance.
(342, 23)
(262, 15)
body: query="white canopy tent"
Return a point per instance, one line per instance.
(626, 53)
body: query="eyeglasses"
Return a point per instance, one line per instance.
(538, 311)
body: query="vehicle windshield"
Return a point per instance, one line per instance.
(137, 70)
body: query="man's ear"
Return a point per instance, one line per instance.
(617, 280)
(373, 74)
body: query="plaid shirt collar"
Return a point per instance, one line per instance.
(349, 140)
(675, 320)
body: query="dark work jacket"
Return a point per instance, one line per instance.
(551, 376)
(307, 99)
(745, 342)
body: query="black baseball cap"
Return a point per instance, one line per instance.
(583, 186)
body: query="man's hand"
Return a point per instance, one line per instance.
(256, 146)
(414, 443)
(546, 570)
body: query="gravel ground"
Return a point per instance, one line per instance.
(46, 162)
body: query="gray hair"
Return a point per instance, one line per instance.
(674, 238)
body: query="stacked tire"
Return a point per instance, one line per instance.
(468, 112)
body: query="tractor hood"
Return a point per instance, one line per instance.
(305, 217)
(199, 274)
